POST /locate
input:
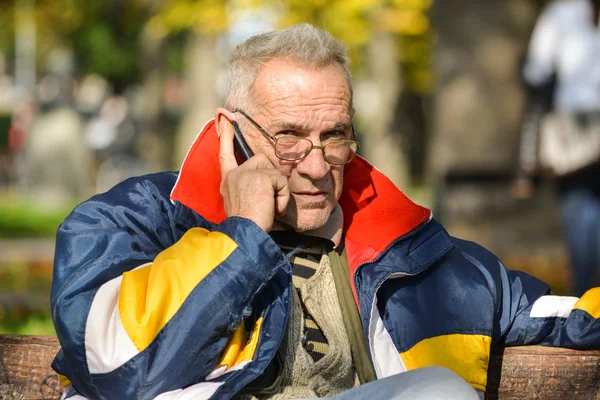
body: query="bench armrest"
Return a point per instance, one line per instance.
(527, 372)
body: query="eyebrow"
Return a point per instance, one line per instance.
(287, 126)
(341, 125)
(291, 126)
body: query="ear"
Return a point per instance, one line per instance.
(223, 117)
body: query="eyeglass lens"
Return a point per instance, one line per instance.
(294, 148)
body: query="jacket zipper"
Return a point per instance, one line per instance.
(380, 283)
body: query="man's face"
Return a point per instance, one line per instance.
(313, 104)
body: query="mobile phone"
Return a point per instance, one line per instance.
(241, 149)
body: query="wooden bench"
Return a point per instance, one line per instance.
(529, 372)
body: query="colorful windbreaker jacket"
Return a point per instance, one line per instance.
(156, 294)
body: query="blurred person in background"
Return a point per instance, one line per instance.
(561, 130)
(276, 264)
(12, 122)
(112, 131)
(20, 124)
(112, 135)
(55, 163)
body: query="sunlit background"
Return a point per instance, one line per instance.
(94, 92)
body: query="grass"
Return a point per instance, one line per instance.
(20, 219)
(25, 324)
(25, 283)
(25, 306)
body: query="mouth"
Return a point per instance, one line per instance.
(311, 196)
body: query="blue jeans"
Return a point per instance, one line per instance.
(431, 383)
(581, 221)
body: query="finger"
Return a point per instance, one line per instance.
(282, 193)
(258, 162)
(269, 171)
(226, 154)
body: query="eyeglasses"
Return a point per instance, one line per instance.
(294, 148)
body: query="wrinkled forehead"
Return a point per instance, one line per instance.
(283, 83)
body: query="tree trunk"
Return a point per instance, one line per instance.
(156, 144)
(480, 99)
(376, 96)
(202, 68)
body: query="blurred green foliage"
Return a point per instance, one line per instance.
(25, 296)
(5, 121)
(22, 219)
(355, 22)
(25, 323)
(25, 277)
(106, 35)
(105, 54)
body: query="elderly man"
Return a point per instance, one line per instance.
(299, 272)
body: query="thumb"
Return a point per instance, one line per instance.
(226, 154)
(282, 193)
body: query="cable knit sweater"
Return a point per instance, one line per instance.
(332, 374)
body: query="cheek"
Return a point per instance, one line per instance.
(338, 181)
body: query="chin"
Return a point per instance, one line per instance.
(307, 219)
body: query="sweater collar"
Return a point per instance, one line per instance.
(375, 211)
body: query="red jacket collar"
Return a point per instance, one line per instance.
(376, 212)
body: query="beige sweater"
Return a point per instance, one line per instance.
(332, 374)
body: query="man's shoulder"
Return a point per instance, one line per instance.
(462, 248)
(140, 193)
(143, 201)
(475, 250)
(162, 181)
(430, 243)
(155, 187)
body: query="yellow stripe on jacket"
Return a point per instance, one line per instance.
(590, 302)
(64, 381)
(467, 355)
(240, 349)
(150, 296)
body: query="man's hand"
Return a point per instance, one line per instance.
(255, 190)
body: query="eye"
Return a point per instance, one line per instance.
(334, 135)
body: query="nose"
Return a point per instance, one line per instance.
(314, 165)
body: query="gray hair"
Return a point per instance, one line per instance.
(304, 44)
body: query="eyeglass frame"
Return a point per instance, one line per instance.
(313, 146)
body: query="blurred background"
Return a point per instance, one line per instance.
(93, 92)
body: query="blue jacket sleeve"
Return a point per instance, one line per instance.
(146, 294)
(527, 313)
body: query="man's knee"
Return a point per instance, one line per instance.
(439, 382)
(430, 383)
